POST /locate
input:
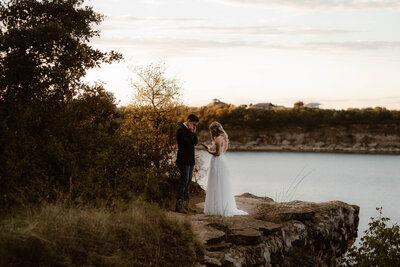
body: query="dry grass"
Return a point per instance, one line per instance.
(59, 236)
(268, 211)
(222, 223)
(272, 211)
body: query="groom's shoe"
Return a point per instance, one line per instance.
(180, 207)
(186, 206)
(191, 210)
(181, 210)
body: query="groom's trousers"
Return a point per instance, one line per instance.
(186, 172)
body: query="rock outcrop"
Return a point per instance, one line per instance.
(296, 233)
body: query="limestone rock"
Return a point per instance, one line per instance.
(356, 139)
(319, 144)
(285, 142)
(295, 233)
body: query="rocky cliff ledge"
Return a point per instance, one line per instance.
(295, 233)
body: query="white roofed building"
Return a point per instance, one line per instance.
(215, 102)
(313, 105)
(267, 106)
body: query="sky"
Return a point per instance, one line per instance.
(340, 53)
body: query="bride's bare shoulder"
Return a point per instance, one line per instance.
(219, 138)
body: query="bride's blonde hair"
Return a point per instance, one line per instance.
(216, 130)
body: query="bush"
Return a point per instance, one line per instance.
(140, 235)
(380, 246)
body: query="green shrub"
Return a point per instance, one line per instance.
(380, 246)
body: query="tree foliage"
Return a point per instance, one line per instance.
(148, 130)
(153, 89)
(307, 118)
(150, 121)
(51, 123)
(44, 50)
(298, 104)
(380, 245)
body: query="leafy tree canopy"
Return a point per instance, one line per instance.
(44, 49)
(54, 127)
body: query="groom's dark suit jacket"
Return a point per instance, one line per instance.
(186, 142)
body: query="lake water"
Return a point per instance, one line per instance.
(368, 181)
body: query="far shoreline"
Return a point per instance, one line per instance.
(311, 150)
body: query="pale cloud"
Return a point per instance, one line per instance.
(198, 24)
(353, 45)
(165, 43)
(164, 47)
(150, 19)
(318, 4)
(169, 44)
(262, 29)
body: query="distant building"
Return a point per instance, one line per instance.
(266, 106)
(279, 107)
(313, 105)
(215, 102)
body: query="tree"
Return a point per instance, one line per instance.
(44, 50)
(156, 92)
(151, 118)
(149, 127)
(298, 104)
(44, 53)
(380, 245)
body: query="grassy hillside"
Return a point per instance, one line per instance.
(55, 235)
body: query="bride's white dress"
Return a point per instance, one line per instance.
(219, 195)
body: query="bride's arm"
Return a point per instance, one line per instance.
(217, 152)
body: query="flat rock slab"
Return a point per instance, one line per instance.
(219, 247)
(211, 236)
(320, 232)
(218, 233)
(247, 236)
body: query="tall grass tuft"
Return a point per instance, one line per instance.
(271, 211)
(56, 235)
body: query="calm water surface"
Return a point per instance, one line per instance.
(368, 181)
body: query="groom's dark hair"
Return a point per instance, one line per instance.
(193, 117)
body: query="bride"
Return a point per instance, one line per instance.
(219, 196)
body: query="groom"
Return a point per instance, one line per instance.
(187, 140)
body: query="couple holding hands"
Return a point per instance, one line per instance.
(219, 195)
